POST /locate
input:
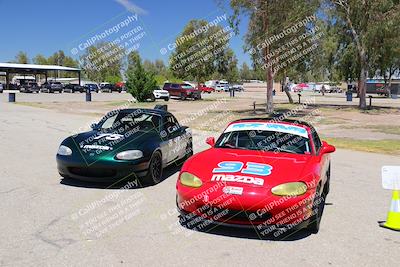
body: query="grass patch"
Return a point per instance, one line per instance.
(387, 129)
(385, 146)
(330, 121)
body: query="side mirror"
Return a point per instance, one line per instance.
(327, 148)
(93, 126)
(210, 141)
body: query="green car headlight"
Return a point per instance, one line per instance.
(130, 154)
(189, 179)
(290, 189)
(64, 151)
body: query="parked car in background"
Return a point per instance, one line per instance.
(297, 89)
(29, 87)
(206, 89)
(103, 84)
(183, 91)
(222, 88)
(110, 88)
(225, 84)
(335, 89)
(211, 83)
(159, 93)
(92, 87)
(12, 86)
(51, 87)
(72, 88)
(120, 85)
(383, 90)
(236, 87)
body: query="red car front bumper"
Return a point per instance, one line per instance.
(256, 207)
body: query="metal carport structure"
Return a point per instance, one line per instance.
(32, 69)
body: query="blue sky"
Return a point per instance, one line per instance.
(46, 26)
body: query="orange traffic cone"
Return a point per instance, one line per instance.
(393, 218)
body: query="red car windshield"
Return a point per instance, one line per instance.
(264, 141)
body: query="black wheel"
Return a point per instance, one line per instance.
(328, 181)
(166, 99)
(183, 97)
(317, 209)
(154, 173)
(189, 150)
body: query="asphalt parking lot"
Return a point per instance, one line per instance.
(46, 221)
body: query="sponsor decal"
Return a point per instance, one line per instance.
(225, 168)
(237, 179)
(237, 166)
(97, 147)
(233, 190)
(275, 127)
(109, 136)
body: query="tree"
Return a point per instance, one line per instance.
(101, 61)
(22, 58)
(268, 18)
(244, 72)
(149, 66)
(160, 67)
(140, 83)
(385, 52)
(361, 19)
(198, 52)
(60, 59)
(40, 60)
(227, 66)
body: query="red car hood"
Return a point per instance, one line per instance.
(286, 167)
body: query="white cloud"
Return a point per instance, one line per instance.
(132, 7)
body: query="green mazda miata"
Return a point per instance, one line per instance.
(125, 144)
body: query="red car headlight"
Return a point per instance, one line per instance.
(190, 180)
(290, 189)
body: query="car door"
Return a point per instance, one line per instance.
(175, 89)
(171, 134)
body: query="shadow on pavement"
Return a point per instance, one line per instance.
(252, 233)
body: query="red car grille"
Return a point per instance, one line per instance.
(221, 215)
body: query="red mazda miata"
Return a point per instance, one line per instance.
(261, 173)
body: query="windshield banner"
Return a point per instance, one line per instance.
(274, 127)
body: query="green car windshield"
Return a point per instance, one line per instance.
(130, 120)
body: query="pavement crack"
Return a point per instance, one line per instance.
(11, 190)
(58, 243)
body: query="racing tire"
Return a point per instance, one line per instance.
(317, 209)
(154, 174)
(188, 150)
(328, 181)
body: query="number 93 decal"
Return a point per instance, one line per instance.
(237, 166)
